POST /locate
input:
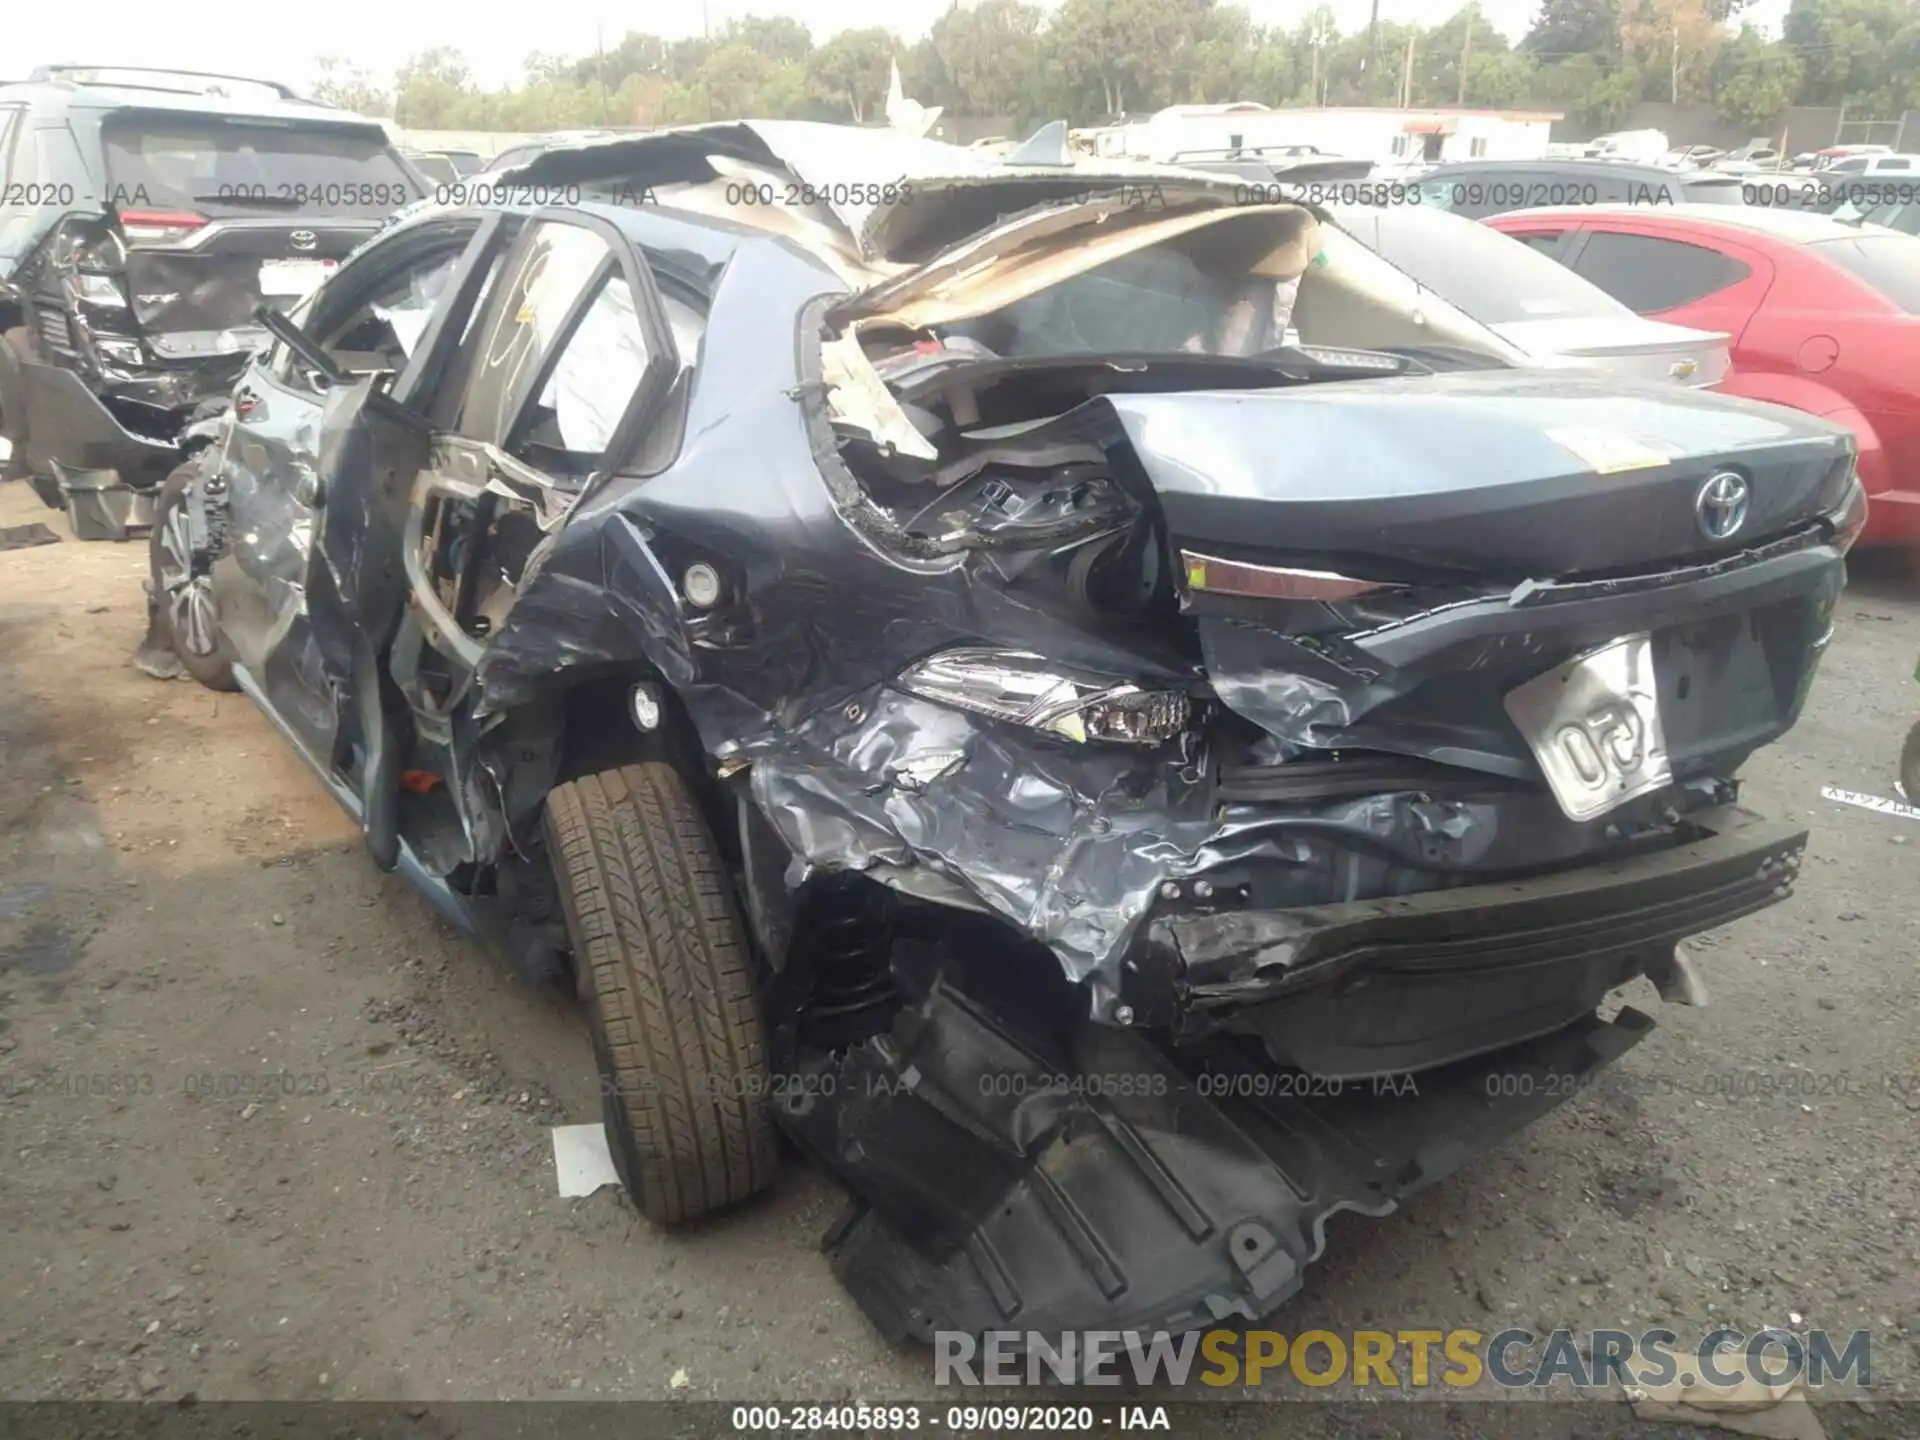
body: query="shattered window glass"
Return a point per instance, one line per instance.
(408, 305)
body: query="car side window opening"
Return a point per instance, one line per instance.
(1547, 242)
(552, 272)
(1650, 274)
(588, 389)
(380, 332)
(558, 356)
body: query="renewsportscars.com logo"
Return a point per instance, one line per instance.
(1512, 1359)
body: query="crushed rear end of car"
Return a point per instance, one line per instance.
(1201, 730)
(1326, 750)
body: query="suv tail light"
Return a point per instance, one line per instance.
(161, 225)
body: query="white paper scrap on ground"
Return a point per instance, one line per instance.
(1871, 802)
(581, 1159)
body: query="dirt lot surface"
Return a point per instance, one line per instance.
(269, 1129)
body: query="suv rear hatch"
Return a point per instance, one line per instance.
(218, 213)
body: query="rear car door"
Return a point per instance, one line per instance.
(369, 319)
(537, 376)
(1715, 286)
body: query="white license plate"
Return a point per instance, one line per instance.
(1594, 726)
(298, 278)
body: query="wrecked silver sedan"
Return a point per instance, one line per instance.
(1109, 717)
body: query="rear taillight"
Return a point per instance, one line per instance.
(1216, 576)
(159, 225)
(1851, 518)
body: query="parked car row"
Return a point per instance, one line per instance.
(1823, 316)
(1764, 300)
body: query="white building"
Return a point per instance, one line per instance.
(1358, 132)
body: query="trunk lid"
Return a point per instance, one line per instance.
(1628, 346)
(218, 211)
(1506, 475)
(1403, 565)
(194, 288)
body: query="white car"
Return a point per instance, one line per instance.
(1533, 303)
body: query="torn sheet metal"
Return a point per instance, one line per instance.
(1040, 249)
(900, 197)
(857, 396)
(1074, 844)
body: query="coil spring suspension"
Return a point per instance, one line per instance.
(849, 940)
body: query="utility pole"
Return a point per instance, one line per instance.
(600, 49)
(1676, 62)
(1406, 76)
(1373, 25)
(1466, 53)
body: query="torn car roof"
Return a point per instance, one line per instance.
(902, 198)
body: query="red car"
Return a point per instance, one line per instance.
(1825, 317)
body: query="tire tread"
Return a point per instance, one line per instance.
(665, 964)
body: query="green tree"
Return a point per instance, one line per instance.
(1566, 29)
(848, 74)
(982, 59)
(1754, 80)
(780, 38)
(433, 91)
(1468, 39)
(1118, 56)
(350, 87)
(1674, 38)
(1845, 51)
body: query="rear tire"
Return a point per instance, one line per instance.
(182, 616)
(663, 962)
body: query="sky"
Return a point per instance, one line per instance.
(380, 34)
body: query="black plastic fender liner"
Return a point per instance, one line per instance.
(1009, 1188)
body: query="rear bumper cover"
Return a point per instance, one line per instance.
(1010, 1180)
(1385, 986)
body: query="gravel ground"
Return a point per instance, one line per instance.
(273, 1131)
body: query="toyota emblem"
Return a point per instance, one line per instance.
(1721, 507)
(303, 239)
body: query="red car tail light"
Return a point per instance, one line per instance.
(159, 224)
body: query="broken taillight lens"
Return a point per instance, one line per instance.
(1028, 689)
(1216, 576)
(159, 226)
(1851, 518)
